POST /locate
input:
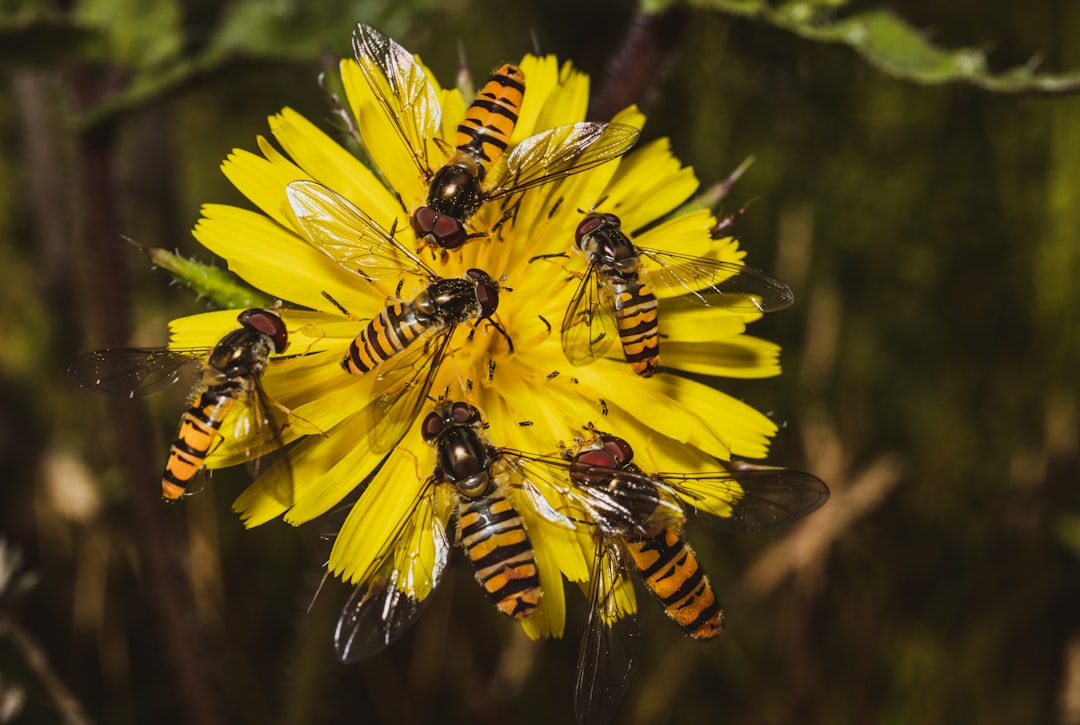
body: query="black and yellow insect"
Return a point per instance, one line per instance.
(439, 308)
(470, 175)
(490, 530)
(489, 122)
(231, 373)
(407, 340)
(637, 520)
(616, 298)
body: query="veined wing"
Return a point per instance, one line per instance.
(338, 228)
(402, 90)
(714, 283)
(132, 371)
(559, 152)
(748, 497)
(257, 427)
(611, 642)
(403, 384)
(387, 603)
(614, 512)
(589, 327)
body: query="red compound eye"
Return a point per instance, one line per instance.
(269, 324)
(463, 413)
(432, 426)
(592, 468)
(588, 225)
(619, 450)
(487, 292)
(441, 229)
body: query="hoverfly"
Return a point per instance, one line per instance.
(615, 298)
(471, 177)
(489, 529)
(389, 341)
(638, 519)
(231, 372)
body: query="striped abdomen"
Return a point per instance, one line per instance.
(671, 572)
(388, 333)
(494, 538)
(489, 122)
(198, 428)
(635, 314)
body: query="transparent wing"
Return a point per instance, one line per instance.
(260, 428)
(404, 382)
(335, 226)
(589, 327)
(629, 507)
(747, 497)
(611, 642)
(402, 90)
(559, 152)
(384, 606)
(133, 371)
(714, 283)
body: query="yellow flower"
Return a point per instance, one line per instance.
(532, 398)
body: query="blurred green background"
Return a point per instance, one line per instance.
(929, 228)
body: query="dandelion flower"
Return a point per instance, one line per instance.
(531, 397)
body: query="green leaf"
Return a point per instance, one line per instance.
(888, 43)
(220, 286)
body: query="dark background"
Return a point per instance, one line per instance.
(929, 231)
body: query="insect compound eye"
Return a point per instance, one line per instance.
(441, 229)
(619, 450)
(612, 219)
(432, 426)
(423, 221)
(464, 414)
(592, 468)
(487, 292)
(269, 324)
(588, 225)
(448, 232)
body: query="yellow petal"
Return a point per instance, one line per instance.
(276, 260)
(649, 184)
(740, 357)
(323, 159)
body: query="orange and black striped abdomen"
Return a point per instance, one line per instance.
(671, 572)
(198, 428)
(388, 333)
(489, 122)
(494, 537)
(635, 313)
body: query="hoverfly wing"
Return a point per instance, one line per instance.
(611, 511)
(363, 630)
(611, 641)
(537, 502)
(589, 327)
(748, 497)
(542, 480)
(560, 152)
(714, 283)
(257, 426)
(403, 385)
(338, 228)
(402, 90)
(385, 605)
(133, 371)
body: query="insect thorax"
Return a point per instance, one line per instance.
(455, 189)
